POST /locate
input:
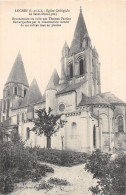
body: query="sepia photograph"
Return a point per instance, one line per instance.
(63, 97)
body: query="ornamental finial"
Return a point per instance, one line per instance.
(80, 8)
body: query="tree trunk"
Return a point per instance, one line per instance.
(48, 142)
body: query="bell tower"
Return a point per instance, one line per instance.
(15, 88)
(79, 62)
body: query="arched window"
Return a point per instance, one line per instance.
(74, 129)
(8, 92)
(15, 90)
(71, 70)
(22, 117)
(18, 119)
(120, 124)
(94, 136)
(5, 93)
(8, 106)
(81, 67)
(84, 65)
(86, 42)
(4, 105)
(28, 133)
(25, 92)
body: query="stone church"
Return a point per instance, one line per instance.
(94, 119)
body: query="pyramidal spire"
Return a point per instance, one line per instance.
(79, 33)
(17, 74)
(65, 44)
(54, 80)
(33, 94)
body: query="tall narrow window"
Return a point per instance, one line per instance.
(94, 136)
(8, 106)
(87, 42)
(71, 71)
(15, 90)
(18, 119)
(28, 133)
(74, 129)
(8, 93)
(25, 92)
(84, 65)
(5, 93)
(120, 124)
(81, 67)
(4, 105)
(22, 117)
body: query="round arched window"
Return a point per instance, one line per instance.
(61, 107)
(120, 124)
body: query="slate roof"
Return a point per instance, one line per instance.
(33, 95)
(111, 98)
(79, 33)
(54, 80)
(17, 74)
(94, 100)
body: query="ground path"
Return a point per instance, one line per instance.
(79, 179)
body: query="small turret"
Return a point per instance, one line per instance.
(65, 50)
(65, 53)
(51, 92)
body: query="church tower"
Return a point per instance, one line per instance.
(15, 88)
(80, 63)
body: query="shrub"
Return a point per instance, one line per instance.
(58, 181)
(43, 185)
(46, 168)
(97, 164)
(58, 157)
(18, 164)
(110, 173)
(6, 184)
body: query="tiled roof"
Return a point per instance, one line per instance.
(92, 100)
(111, 98)
(79, 33)
(17, 74)
(33, 95)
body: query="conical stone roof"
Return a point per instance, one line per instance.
(79, 33)
(54, 80)
(17, 74)
(33, 95)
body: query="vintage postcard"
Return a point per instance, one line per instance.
(62, 96)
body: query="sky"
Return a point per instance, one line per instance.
(41, 47)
